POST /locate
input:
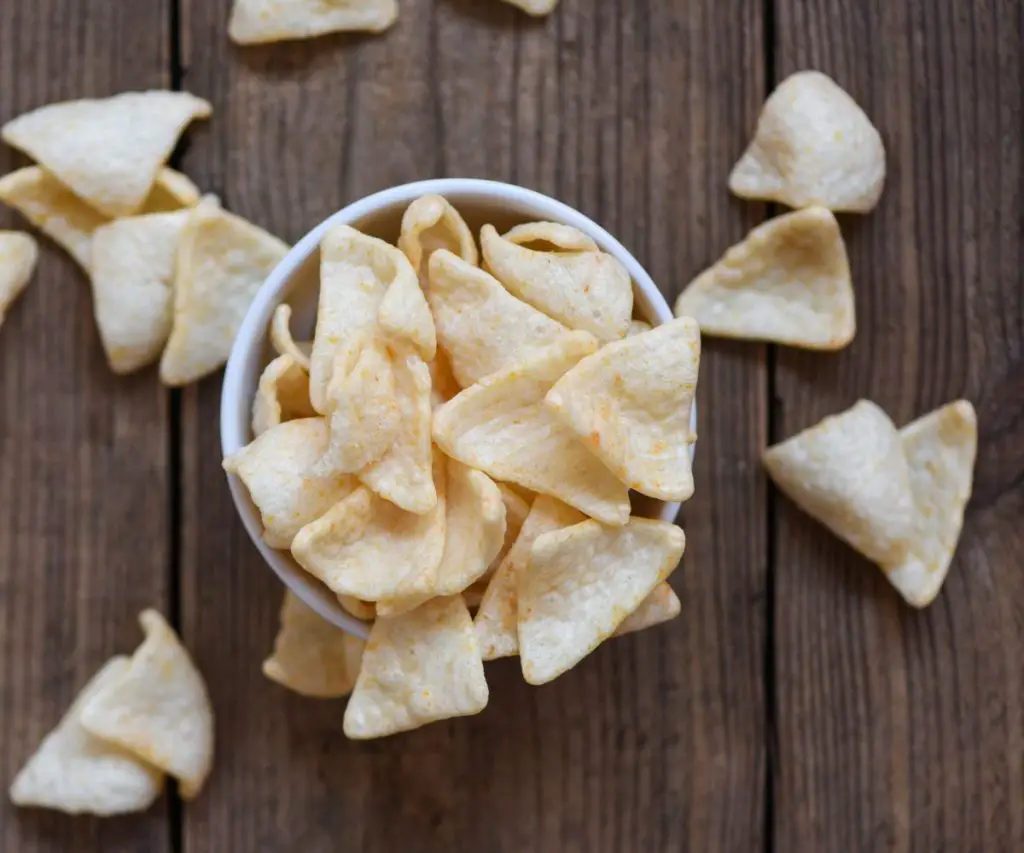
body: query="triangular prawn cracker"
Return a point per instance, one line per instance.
(404, 474)
(584, 289)
(481, 326)
(497, 618)
(368, 548)
(787, 282)
(850, 473)
(474, 532)
(277, 469)
(222, 261)
(355, 272)
(261, 21)
(813, 145)
(76, 772)
(940, 449)
(431, 223)
(419, 667)
(364, 413)
(630, 402)
(582, 582)
(311, 656)
(159, 708)
(107, 151)
(133, 261)
(502, 427)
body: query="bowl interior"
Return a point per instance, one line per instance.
(296, 281)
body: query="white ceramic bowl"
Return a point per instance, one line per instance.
(296, 280)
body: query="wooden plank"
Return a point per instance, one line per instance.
(903, 730)
(655, 742)
(83, 454)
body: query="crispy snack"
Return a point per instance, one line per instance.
(583, 288)
(813, 146)
(158, 708)
(108, 151)
(787, 282)
(474, 532)
(582, 582)
(365, 417)
(403, 315)
(368, 548)
(630, 402)
(281, 337)
(940, 449)
(636, 327)
(897, 497)
(355, 272)
(550, 237)
(222, 261)
(660, 606)
(311, 656)
(261, 21)
(132, 271)
(76, 772)
(282, 395)
(18, 256)
(417, 668)
(480, 325)
(497, 619)
(276, 468)
(537, 8)
(501, 426)
(475, 528)
(70, 222)
(850, 473)
(431, 223)
(404, 474)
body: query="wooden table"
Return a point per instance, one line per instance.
(796, 705)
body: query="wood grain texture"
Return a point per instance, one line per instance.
(83, 454)
(633, 112)
(902, 730)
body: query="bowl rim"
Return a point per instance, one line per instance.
(234, 419)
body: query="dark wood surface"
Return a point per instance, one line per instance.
(795, 705)
(896, 729)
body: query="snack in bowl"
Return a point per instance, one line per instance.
(452, 432)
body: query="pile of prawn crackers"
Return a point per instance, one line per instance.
(896, 495)
(172, 273)
(462, 433)
(135, 721)
(548, 399)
